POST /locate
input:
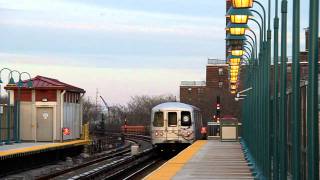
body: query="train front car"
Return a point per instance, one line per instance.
(175, 125)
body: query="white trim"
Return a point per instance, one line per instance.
(61, 111)
(46, 103)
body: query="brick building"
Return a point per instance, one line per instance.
(204, 94)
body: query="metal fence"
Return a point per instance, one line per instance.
(303, 97)
(304, 131)
(4, 127)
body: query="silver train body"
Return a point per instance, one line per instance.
(175, 123)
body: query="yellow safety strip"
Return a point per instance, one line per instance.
(174, 165)
(42, 147)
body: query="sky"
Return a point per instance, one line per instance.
(120, 47)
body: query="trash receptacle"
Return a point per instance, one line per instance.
(229, 129)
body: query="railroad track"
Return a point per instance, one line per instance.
(106, 166)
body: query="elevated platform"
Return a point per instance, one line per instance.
(26, 148)
(210, 159)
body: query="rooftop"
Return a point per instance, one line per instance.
(193, 83)
(217, 62)
(41, 82)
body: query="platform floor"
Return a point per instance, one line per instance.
(210, 159)
(26, 148)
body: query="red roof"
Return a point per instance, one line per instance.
(41, 82)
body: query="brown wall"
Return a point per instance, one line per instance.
(25, 95)
(50, 95)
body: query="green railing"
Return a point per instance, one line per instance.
(280, 135)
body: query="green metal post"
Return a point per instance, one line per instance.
(0, 117)
(312, 97)
(8, 119)
(263, 109)
(275, 165)
(17, 113)
(296, 110)
(261, 153)
(283, 89)
(15, 120)
(267, 83)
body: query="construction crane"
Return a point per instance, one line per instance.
(106, 104)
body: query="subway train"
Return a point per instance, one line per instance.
(175, 125)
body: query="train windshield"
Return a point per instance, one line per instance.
(158, 120)
(172, 119)
(185, 118)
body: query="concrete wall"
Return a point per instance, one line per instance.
(27, 121)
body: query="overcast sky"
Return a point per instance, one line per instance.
(121, 47)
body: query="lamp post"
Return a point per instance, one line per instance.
(275, 128)
(10, 83)
(253, 42)
(296, 112)
(16, 114)
(259, 148)
(261, 153)
(9, 70)
(312, 97)
(283, 99)
(248, 51)
(19, 84)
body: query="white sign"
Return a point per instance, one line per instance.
(45, 115)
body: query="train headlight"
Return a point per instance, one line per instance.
(187, 133)
(186, 119)
(161, 133)
(157, 133)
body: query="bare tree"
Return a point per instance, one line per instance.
(88, 110)
(137, 112)
(139, 108)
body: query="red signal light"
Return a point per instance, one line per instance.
(203, 130)
(66, 131)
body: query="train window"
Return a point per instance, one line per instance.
(158, 119)
(185, 118)
(172, 119)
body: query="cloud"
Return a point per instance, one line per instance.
(179, 30)
(66, 15)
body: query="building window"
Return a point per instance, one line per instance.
(220, 84)
(220, 71)
(200, 91)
